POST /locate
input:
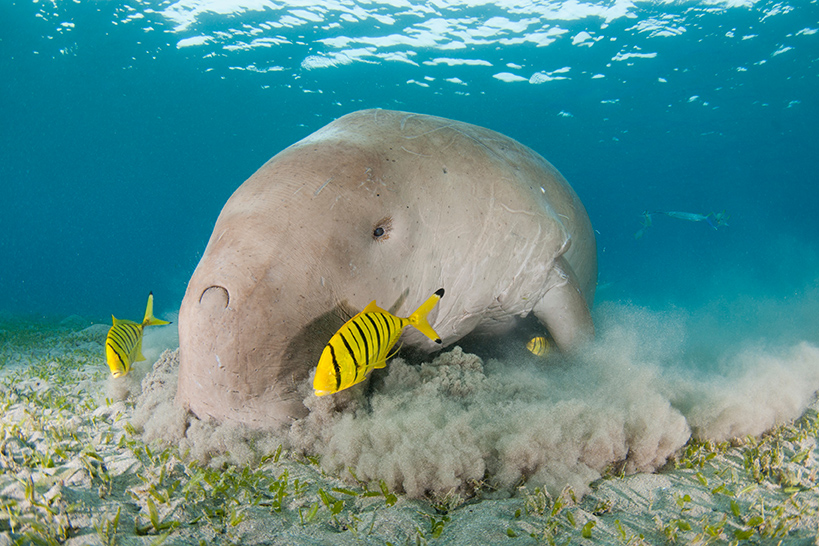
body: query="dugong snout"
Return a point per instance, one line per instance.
(234, 331)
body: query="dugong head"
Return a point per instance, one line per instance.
(377, 205)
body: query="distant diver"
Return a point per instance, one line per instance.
(713, 219)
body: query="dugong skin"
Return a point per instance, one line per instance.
(295, 250)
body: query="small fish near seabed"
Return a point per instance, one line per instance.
(363, 344)
(539, 346)
(123, 346)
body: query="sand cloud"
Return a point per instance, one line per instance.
(448, 425)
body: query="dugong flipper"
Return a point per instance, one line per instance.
(377, 205)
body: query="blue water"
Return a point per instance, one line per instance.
(124, 127)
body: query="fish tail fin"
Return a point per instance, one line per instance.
(150, 319)
(419, 318)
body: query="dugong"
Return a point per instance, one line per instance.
(387, 206)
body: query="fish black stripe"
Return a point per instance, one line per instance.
(121, 362)
(135, 331)
(117, 346)
(370, 336)
(115, 333)
(124, 332)
(396, 324)
(349, 350)
(387, 331)
(374, 329)
(125, 335)
(116, 353)
(122, 339)
(123, 350)
(363, 338)
(377, 328)
(392, 327)
(335, 368)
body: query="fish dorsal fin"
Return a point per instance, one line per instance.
(373, 308)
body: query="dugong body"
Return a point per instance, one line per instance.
(377, 205)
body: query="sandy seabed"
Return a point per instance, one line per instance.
(90, 460)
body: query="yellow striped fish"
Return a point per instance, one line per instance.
(124, 344)
(363, 344)
(538, 346)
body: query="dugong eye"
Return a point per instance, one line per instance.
(382, 229)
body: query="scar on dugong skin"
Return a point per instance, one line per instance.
(377, 205)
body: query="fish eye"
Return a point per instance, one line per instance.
(382, 229)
